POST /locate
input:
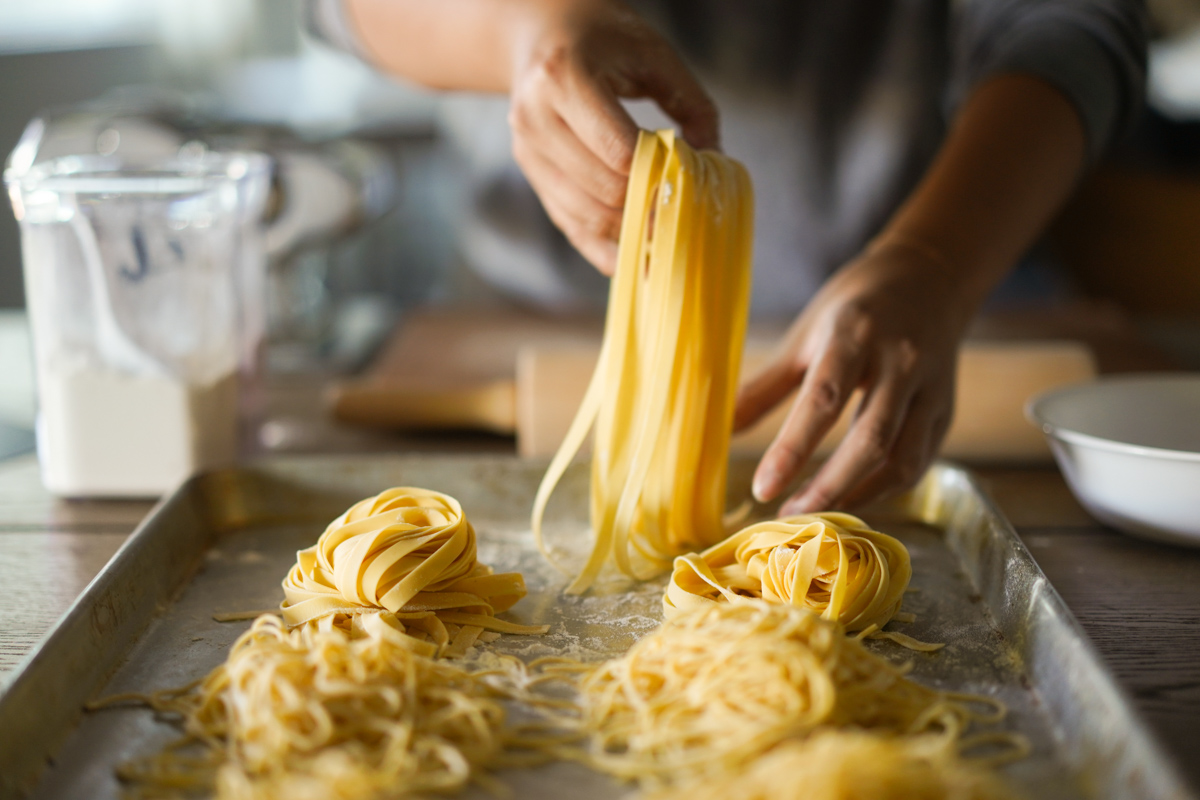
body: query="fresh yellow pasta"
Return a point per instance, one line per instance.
(852, 765)
(719, 685)
(410, 552)
(661, 398)
(310, 714)
(832, 564)
(345, 697)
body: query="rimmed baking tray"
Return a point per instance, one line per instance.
(224, 541)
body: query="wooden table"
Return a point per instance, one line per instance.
(1139, 602)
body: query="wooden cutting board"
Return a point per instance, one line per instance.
(994, 381)
(516, 373)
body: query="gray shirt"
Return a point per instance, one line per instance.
(836, 107)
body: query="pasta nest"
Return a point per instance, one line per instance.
(832, 564)
(724, 682)
(411, 553)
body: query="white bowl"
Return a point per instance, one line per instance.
(1129, 447)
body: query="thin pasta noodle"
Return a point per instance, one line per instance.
(661, 397)
(719, 685)
(315, 713)
(344, 696)
(831, 563)
(852, 765)
(410, 552)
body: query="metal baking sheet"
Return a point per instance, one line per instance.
(225, 540)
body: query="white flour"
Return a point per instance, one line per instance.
(101, 433)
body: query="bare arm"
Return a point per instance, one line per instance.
(447, 44)
(889, 322)
(1009, 164)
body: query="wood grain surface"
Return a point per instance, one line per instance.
(50, 549)
(1138, 601)
(1140, 604)
(43, 572)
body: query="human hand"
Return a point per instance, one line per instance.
(888, 323)
(571, 137)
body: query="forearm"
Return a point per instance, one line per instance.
(1009, 162)
(465, 45)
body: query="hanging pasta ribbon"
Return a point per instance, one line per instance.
(409, 553)
(662, 395)
(832, 564)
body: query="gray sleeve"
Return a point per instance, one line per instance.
(1093, 51)
(326, 21)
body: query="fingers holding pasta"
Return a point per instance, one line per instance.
(571, 135)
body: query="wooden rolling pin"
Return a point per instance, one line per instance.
(455, 405)
(994, 381)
